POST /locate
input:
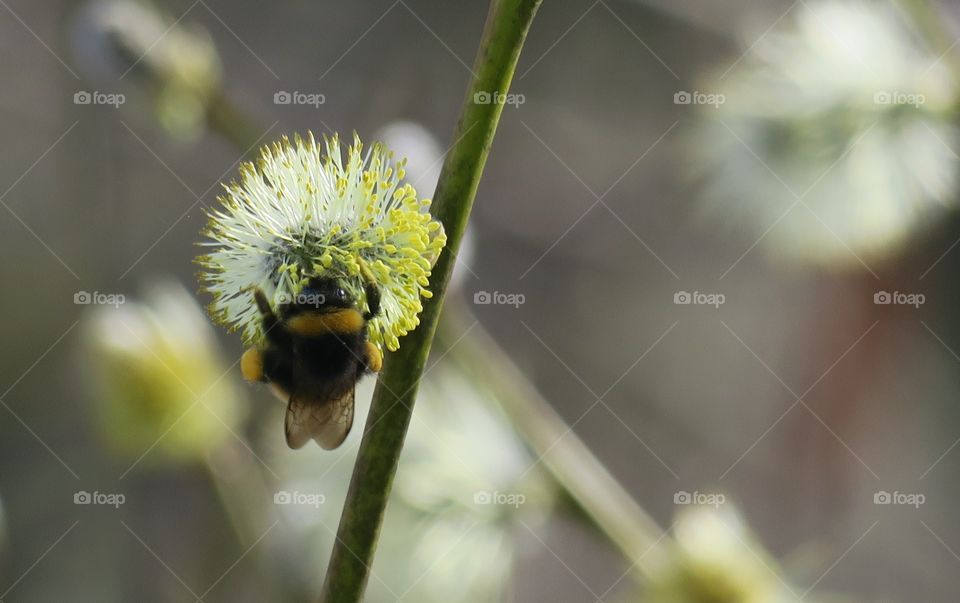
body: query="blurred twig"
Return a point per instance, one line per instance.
(238, 128)
(610, 508)
(231, 472)
(241, 491)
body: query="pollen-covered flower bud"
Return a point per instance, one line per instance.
(160, 382)
(831, 141)
(305, 211)
(424, 160)
(716, 559)
(174, 63)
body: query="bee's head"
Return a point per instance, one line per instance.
(320, 294)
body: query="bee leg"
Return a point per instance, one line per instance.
(272, 328)
(371, 290)
(373, 301)
(263, 304)
(372, 357)
(251, 365)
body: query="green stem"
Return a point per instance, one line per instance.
(392, 407)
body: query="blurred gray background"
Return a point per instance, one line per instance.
(585, 208)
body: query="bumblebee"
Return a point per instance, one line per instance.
(315, 350)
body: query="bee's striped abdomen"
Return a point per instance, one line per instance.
(346, 321)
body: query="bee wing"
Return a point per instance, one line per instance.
(326, 422)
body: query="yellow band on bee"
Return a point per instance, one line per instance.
(341, 321)
(251, 365)
(374, 358)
